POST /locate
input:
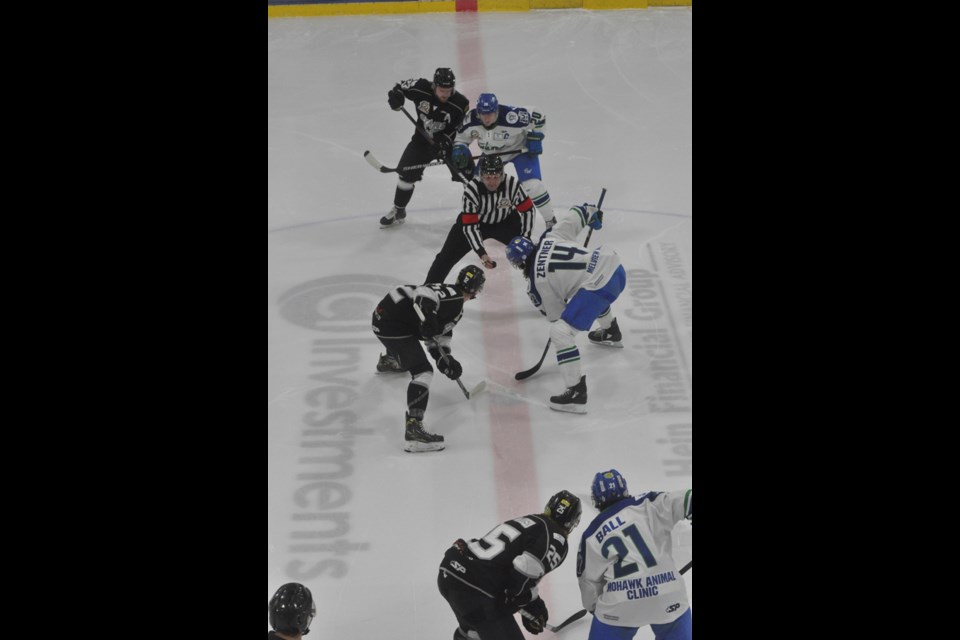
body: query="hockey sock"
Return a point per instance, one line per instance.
(403, 194)
(418, 392)
(605, 319)
(568, 356)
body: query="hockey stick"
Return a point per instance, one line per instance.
(599, 203)
(446, 161)
(583, 612)
(523, 375)
(373, 162)
(443, 356)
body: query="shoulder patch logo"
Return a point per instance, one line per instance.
(512, 117)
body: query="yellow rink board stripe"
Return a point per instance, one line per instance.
(359, 8)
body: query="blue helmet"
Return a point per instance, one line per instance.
(607, 487)
(487, 103)
(518, 250)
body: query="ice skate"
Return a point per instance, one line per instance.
(573, 400)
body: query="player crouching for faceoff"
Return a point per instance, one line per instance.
(487, 580)
(498, 128)
(624, 563)
(572, 286)
(398, 325)
(291, 611)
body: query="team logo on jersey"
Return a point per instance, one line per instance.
(512, 117)
(424, 107)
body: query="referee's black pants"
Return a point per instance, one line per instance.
(456, 246)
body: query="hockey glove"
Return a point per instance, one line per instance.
(461, 156)
(534, 143)
(395, 98)
(442, 147)
(450, 367)
(595, 221)
(534, 616)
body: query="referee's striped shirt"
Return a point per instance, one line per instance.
(483, 206)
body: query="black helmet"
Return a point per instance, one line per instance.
(470, 280)
(491, 166)
(443, 77)
(292, 609)
(564, 508)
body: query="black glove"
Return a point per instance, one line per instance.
(395, 98)
(534, 616)
(450, 367)
(442, 147)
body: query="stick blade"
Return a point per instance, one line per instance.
(523, 375)
(482, 385)
(569, 620)
(369, 157)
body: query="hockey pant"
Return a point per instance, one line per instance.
(477, 611)
(456, 246)
(679, 629)
(584, 307)
(418, 151)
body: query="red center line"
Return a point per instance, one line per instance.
(514, 464)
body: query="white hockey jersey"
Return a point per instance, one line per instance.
(508, 134)
(561, 266)
(624, 564)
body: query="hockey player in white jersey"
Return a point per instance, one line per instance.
(498, 128)
(572, 286)
(627, 575)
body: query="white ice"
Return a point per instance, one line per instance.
(351, 515)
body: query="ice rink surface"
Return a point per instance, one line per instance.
(350, 514)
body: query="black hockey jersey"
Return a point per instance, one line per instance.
(510, 559)
(435, 116)
(395, 317)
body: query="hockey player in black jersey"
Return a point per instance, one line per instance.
(397, 323)
(494, 206)
(291, 611)
(487, 580)
(440, 109)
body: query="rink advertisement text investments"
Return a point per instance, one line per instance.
(338, 308)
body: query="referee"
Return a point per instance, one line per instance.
(494, 206)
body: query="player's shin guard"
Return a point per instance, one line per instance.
(418, 393)
(568, 356)
(541, 200)
(574, 398)
(401, 198)
(416, 438)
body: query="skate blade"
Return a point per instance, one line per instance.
(569, 408)
(608, 343)
(477, 389)
(422, 447)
